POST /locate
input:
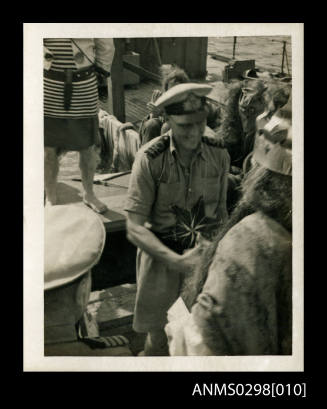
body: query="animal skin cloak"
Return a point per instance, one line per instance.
(245, 307)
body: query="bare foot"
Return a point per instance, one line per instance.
(95, 204)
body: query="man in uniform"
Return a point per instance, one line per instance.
(177, 192)
(74, 241)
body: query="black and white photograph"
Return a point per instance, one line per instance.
(163, 197)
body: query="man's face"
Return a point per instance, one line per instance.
(187, 130)
(251, 104)
(249, 111)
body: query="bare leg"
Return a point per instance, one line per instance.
(87, 164)
(156, 344)
(51, 168)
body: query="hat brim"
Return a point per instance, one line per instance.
(52, 283)
(179, 92)
(73, 243)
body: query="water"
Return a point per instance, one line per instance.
(265, 50)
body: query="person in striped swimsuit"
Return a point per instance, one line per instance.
(71, 68)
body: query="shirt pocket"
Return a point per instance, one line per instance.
(211, 189)
(169, 194)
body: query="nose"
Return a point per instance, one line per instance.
(196, 130)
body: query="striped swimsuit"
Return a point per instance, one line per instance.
(84, 101)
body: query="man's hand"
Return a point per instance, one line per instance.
(188, 260)
(154, 110)
(101, 78)
(143, 238)
(155, 95)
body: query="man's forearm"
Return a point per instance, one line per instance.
(143, 238)
(104, 52)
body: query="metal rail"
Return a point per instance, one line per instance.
(234, 46)
(141, 71)
(284, 53)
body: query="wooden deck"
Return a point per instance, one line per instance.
(113, 195)
(136, 99)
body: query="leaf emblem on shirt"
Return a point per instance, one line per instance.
(190, 223)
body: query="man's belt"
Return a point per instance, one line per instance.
(77, 75)
(176, 245)
(68, 77)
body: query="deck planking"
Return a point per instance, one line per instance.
(113, 195)
(137, 96)
(136, 99)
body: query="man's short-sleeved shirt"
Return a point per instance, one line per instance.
(159, 182)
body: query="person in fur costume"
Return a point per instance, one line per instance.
(245, 306)
(250, 104)
(245, 102)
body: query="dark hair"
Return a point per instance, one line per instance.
(280, 97)
(230, 129)
(269, 192)
(174, 76)
(232, 121)
(286, 110)
(278, 93)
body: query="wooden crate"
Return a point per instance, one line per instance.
(235, 69)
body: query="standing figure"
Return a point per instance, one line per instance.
(245, 307)
(245, 102)
(177, 192)
(71, 121)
